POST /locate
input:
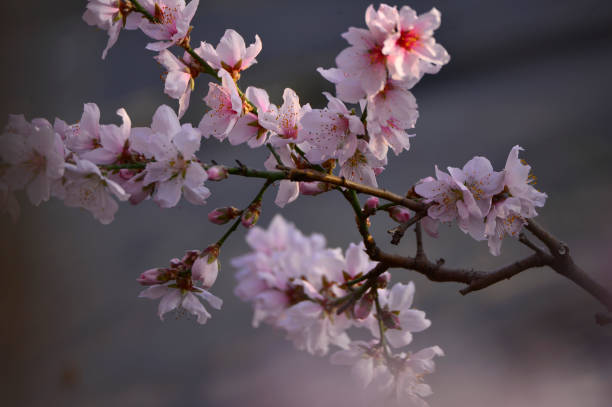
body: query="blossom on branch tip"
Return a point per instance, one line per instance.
(231, 53)
(183, 282)
(172, 21)
(411, 50)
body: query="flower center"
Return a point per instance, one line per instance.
(408, 40)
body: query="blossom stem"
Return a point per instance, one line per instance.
(234, 226)
(275, 154)
(381, 327)
(139, 8)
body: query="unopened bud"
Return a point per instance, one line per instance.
(126, 174)
(363, 307)
(206, 267)
(221, 216)
(371, 203)
(378, 170)
(217, 173)
(151, 277)
(390, 320)
(251, 215)
(399, 214)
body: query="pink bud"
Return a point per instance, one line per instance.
(378, 170)
(206, 267)
(371, 203)
(251, 215)
(126, 174)
(363, 307)
(221, 216)
(399, 214)
(151, 277)
(390, 320)
(312, 188)
(217, 173)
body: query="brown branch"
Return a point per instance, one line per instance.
(295, 174)
(506, 273)
(564, 264)
(398, 232)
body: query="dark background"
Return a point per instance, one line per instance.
(532, 73)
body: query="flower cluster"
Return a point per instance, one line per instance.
(180, 285)
(486, 204)
(298, 285)
(87, 164)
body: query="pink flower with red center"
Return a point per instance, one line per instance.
(172, 21)
(411, 50)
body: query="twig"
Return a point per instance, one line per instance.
(398, 232)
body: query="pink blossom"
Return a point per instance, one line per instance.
(363, 357)
(34, 158)
(504, 219)
(179, 81)
(313, 330)
(248, 129)
(173, 298)
(361, 167)
(412, 50)
(403, 383)
(173, 19)
(231, 53)
(176, 168)
(288, 191)
(285, 121)
(331, 132)
(358, 263)
(114, 142)
(84, 186)
(205, 268)
(83, 136)
(226, 107)
(398, 302)
(519, 182)
(390, 112)
(364, 61)
(111, 15)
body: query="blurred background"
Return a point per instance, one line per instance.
(537, 74)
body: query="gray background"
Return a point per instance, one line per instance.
(532, 73)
